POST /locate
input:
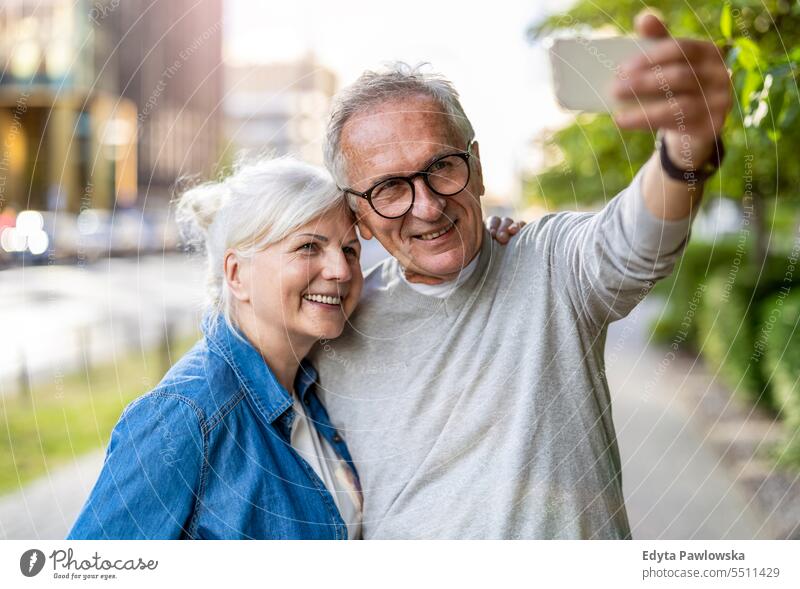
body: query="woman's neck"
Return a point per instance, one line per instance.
(279, 351)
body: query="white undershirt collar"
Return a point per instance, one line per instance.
(445, 288)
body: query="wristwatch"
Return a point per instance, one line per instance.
(700, 174)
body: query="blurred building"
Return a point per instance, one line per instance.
(103, 103)
(280, 108)
(68, 139)
(170, 66)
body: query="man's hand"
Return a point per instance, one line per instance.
(682, 86)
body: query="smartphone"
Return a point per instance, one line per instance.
(584, 69)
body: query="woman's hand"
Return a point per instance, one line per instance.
(502, 230)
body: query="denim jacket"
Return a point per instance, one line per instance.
(207, 455)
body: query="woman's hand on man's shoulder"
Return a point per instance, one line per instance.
(502, 230)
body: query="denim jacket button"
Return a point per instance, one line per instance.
(337, 438)
(306, 401)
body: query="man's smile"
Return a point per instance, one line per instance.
(438, 233)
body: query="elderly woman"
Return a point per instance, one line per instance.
(233, 442)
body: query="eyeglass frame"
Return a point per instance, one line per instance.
(367, 195)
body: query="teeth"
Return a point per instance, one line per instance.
(435, 234)
(323, 299)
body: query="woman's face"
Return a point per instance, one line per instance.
(308, 284)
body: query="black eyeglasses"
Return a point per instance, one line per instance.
(393, 197)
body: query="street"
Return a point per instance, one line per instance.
(58, 319)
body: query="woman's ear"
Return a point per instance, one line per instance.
(235, 276)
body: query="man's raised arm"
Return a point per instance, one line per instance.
(608, 261)
(683, 89)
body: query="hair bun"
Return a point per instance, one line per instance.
(199, 206)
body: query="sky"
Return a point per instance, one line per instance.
(481, 47)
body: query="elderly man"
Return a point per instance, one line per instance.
(470, 384)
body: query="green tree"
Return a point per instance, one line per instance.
(592, 159)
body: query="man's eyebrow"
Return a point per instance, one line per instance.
(444, 152)
(352, 241)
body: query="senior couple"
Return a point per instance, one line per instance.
(456, 390)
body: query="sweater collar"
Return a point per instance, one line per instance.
(405, 294)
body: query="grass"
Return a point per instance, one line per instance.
(72, 415)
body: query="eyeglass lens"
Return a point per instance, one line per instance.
(446, 177)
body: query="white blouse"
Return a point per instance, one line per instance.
(334, 472)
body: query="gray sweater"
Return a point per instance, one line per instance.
(487, 414)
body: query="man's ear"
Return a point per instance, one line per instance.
(476, 151)
(234, 276)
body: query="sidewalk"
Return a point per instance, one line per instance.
(673, 431)
(46, 508)
(693, 457)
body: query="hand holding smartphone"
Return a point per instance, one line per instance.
(584, 69)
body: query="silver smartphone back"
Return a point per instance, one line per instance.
(584, 69)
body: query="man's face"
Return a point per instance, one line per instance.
(401, 137)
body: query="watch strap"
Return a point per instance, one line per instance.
(690, 176)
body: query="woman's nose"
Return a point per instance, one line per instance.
(336, 267)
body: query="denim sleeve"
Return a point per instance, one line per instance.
(149, 483)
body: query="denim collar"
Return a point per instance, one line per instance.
(254, 374)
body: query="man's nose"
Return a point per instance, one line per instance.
(336, 267)
(428, 206)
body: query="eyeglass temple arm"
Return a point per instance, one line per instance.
(353, 192)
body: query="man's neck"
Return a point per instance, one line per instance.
(414, 277)
(418, 278)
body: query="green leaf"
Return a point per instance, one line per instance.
(777, 102)
(749, 54)
(789, 115)
(725, 22)
(752, 82)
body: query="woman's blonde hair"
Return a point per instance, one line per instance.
(259, 204)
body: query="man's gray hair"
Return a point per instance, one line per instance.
(398, 80)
